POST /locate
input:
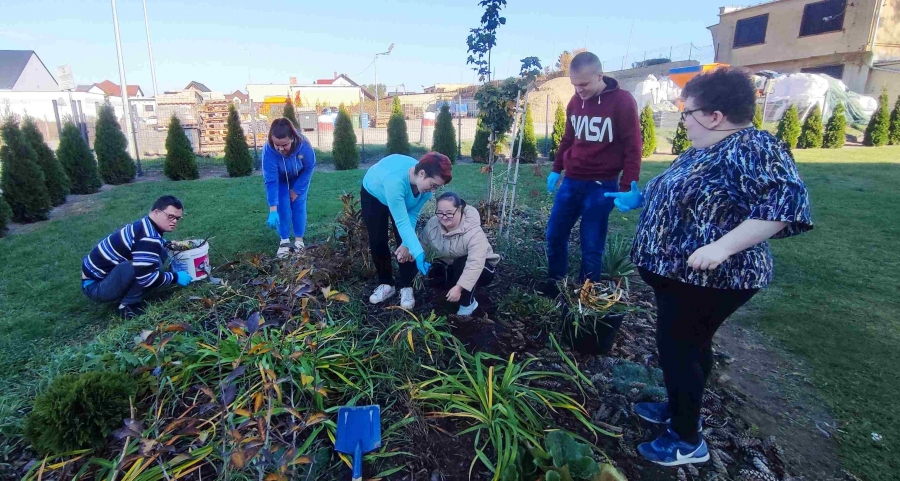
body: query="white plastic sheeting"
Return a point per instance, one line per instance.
(660, 93)
(807, 90)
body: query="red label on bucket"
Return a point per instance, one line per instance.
(199, 265)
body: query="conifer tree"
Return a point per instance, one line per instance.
(444, 138)
(22, 181)
(58, 185)
(346, 155)
(648, 132)
(681, 143)
(115, 165)
(789, 127)
(836, 129)
(181, 164)
(78, 161)
(811, 136)
(879, 125)
(398, 138)
(238, 160)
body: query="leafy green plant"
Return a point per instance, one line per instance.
(57, 181)
(878, 130)
(78, 161)
(289, 113)
(181, 163)
(894, 131)
(836, 129)
(114, 164)
(811, 135)
(529, 143)
(565, 459)
(559, 129)
(521, 304)
(444, 138)
(681, 143)
(758, 117)
(398, 138)
(238, 160)
(431, 330)
(617, 263)
(346, 155)
(22, 181)
(789, 127)
(79, 411)
(648, 132)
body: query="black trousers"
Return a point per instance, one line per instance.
(446, 276)
(687, 318)
(377, 218)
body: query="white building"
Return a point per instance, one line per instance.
(23, 71)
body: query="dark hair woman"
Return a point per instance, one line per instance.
(464, 257)
(701, 243)
(395, 189)
(288, 161)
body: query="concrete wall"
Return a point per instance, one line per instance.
(783, 41)
(884, 78)
(326, 95)
(887, 40)
(35, 78)
(629, 78)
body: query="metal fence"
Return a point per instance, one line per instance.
(673, 53)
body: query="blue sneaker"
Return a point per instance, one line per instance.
(658, 413)
(669, 450)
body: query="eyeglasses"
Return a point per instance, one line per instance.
(173, 217)
(446, 215)
(685, 113)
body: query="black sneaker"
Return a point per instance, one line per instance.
(548, 288)
(130, 311)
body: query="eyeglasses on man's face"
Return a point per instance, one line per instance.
(173, 217)
(685, 113)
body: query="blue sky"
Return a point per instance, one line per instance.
(213, 42)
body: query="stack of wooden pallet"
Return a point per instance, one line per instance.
(213, 118)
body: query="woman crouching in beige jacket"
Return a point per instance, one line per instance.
(464, 259)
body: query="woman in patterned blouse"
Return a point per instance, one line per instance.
(701, 244)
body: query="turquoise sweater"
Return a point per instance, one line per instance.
(388, 181)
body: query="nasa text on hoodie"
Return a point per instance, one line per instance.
(602, 138)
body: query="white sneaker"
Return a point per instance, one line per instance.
(407, 300)
(466, 311)
(283, 250)
(381, 294)
(299, 245)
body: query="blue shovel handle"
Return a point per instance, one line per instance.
(357, 462)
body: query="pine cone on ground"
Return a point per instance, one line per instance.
(717, 463)
(681, 475)
(754, 475)
(761, 466)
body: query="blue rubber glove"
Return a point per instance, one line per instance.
(552, 179)
(422, 265)
(183, 278)
(273, 221)
(627, 201)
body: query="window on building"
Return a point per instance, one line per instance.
(751, 31)
(148, 108)
(823, 17)
(833, 71)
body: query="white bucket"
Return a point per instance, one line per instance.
(194, 261)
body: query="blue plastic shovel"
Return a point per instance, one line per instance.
(358, 432)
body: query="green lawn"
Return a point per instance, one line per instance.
(835, 301)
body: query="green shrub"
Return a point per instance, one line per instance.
(238, 160)
(648, 132)
(113, 161)
(681, 143)
(836, 129)
(559, 129)
(879, 125)
(398, 138)
(894, 132)
(627, 375)
(529, 143)
(789, 127)
(758, 118)
(79, 411)
(480, 144)
(78, 161)
(290, 114)
(811, 136)
(346, 155)
(5, 215)
(444, 139)
(181, 164)
(55, 177)
(565, 459)
(22, 180)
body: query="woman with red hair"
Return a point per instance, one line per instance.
(395, 189)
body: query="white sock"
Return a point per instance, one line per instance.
(283, 241)
(121, 306)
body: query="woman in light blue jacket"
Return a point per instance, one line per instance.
(288, 161)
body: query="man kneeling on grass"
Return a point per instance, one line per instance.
(130, 262)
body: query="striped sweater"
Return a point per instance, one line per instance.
(142, 244)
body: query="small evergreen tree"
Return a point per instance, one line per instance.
(559, 129)
(894, 133)
(836, 130)
(444, 138)
(181, 164)
(290, 114)
(681, 143)
(811, 136)
(648, 132)
(480, 144)
(113, 161)
(78, 161)
(238, 160)
(398, 138)
(346, 155)
(529, 143)
(789, 127)
(5, 214)
(55, 177)
(22, 180)
(879, 125)
(758, 118)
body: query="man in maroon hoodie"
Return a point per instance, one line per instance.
(602, 141)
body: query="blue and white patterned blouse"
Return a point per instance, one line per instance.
(705, 194)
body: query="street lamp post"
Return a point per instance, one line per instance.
(376, 77)
(150, 50)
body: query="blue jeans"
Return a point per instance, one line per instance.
(120, 285)
(290, 213)
(579, 198)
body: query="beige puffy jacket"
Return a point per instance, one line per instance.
(466, 240)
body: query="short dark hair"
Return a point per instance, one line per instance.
(728, 90)
(436, 164)
(165, 201)
(453, 197)
(282, 128)
(584, 60)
